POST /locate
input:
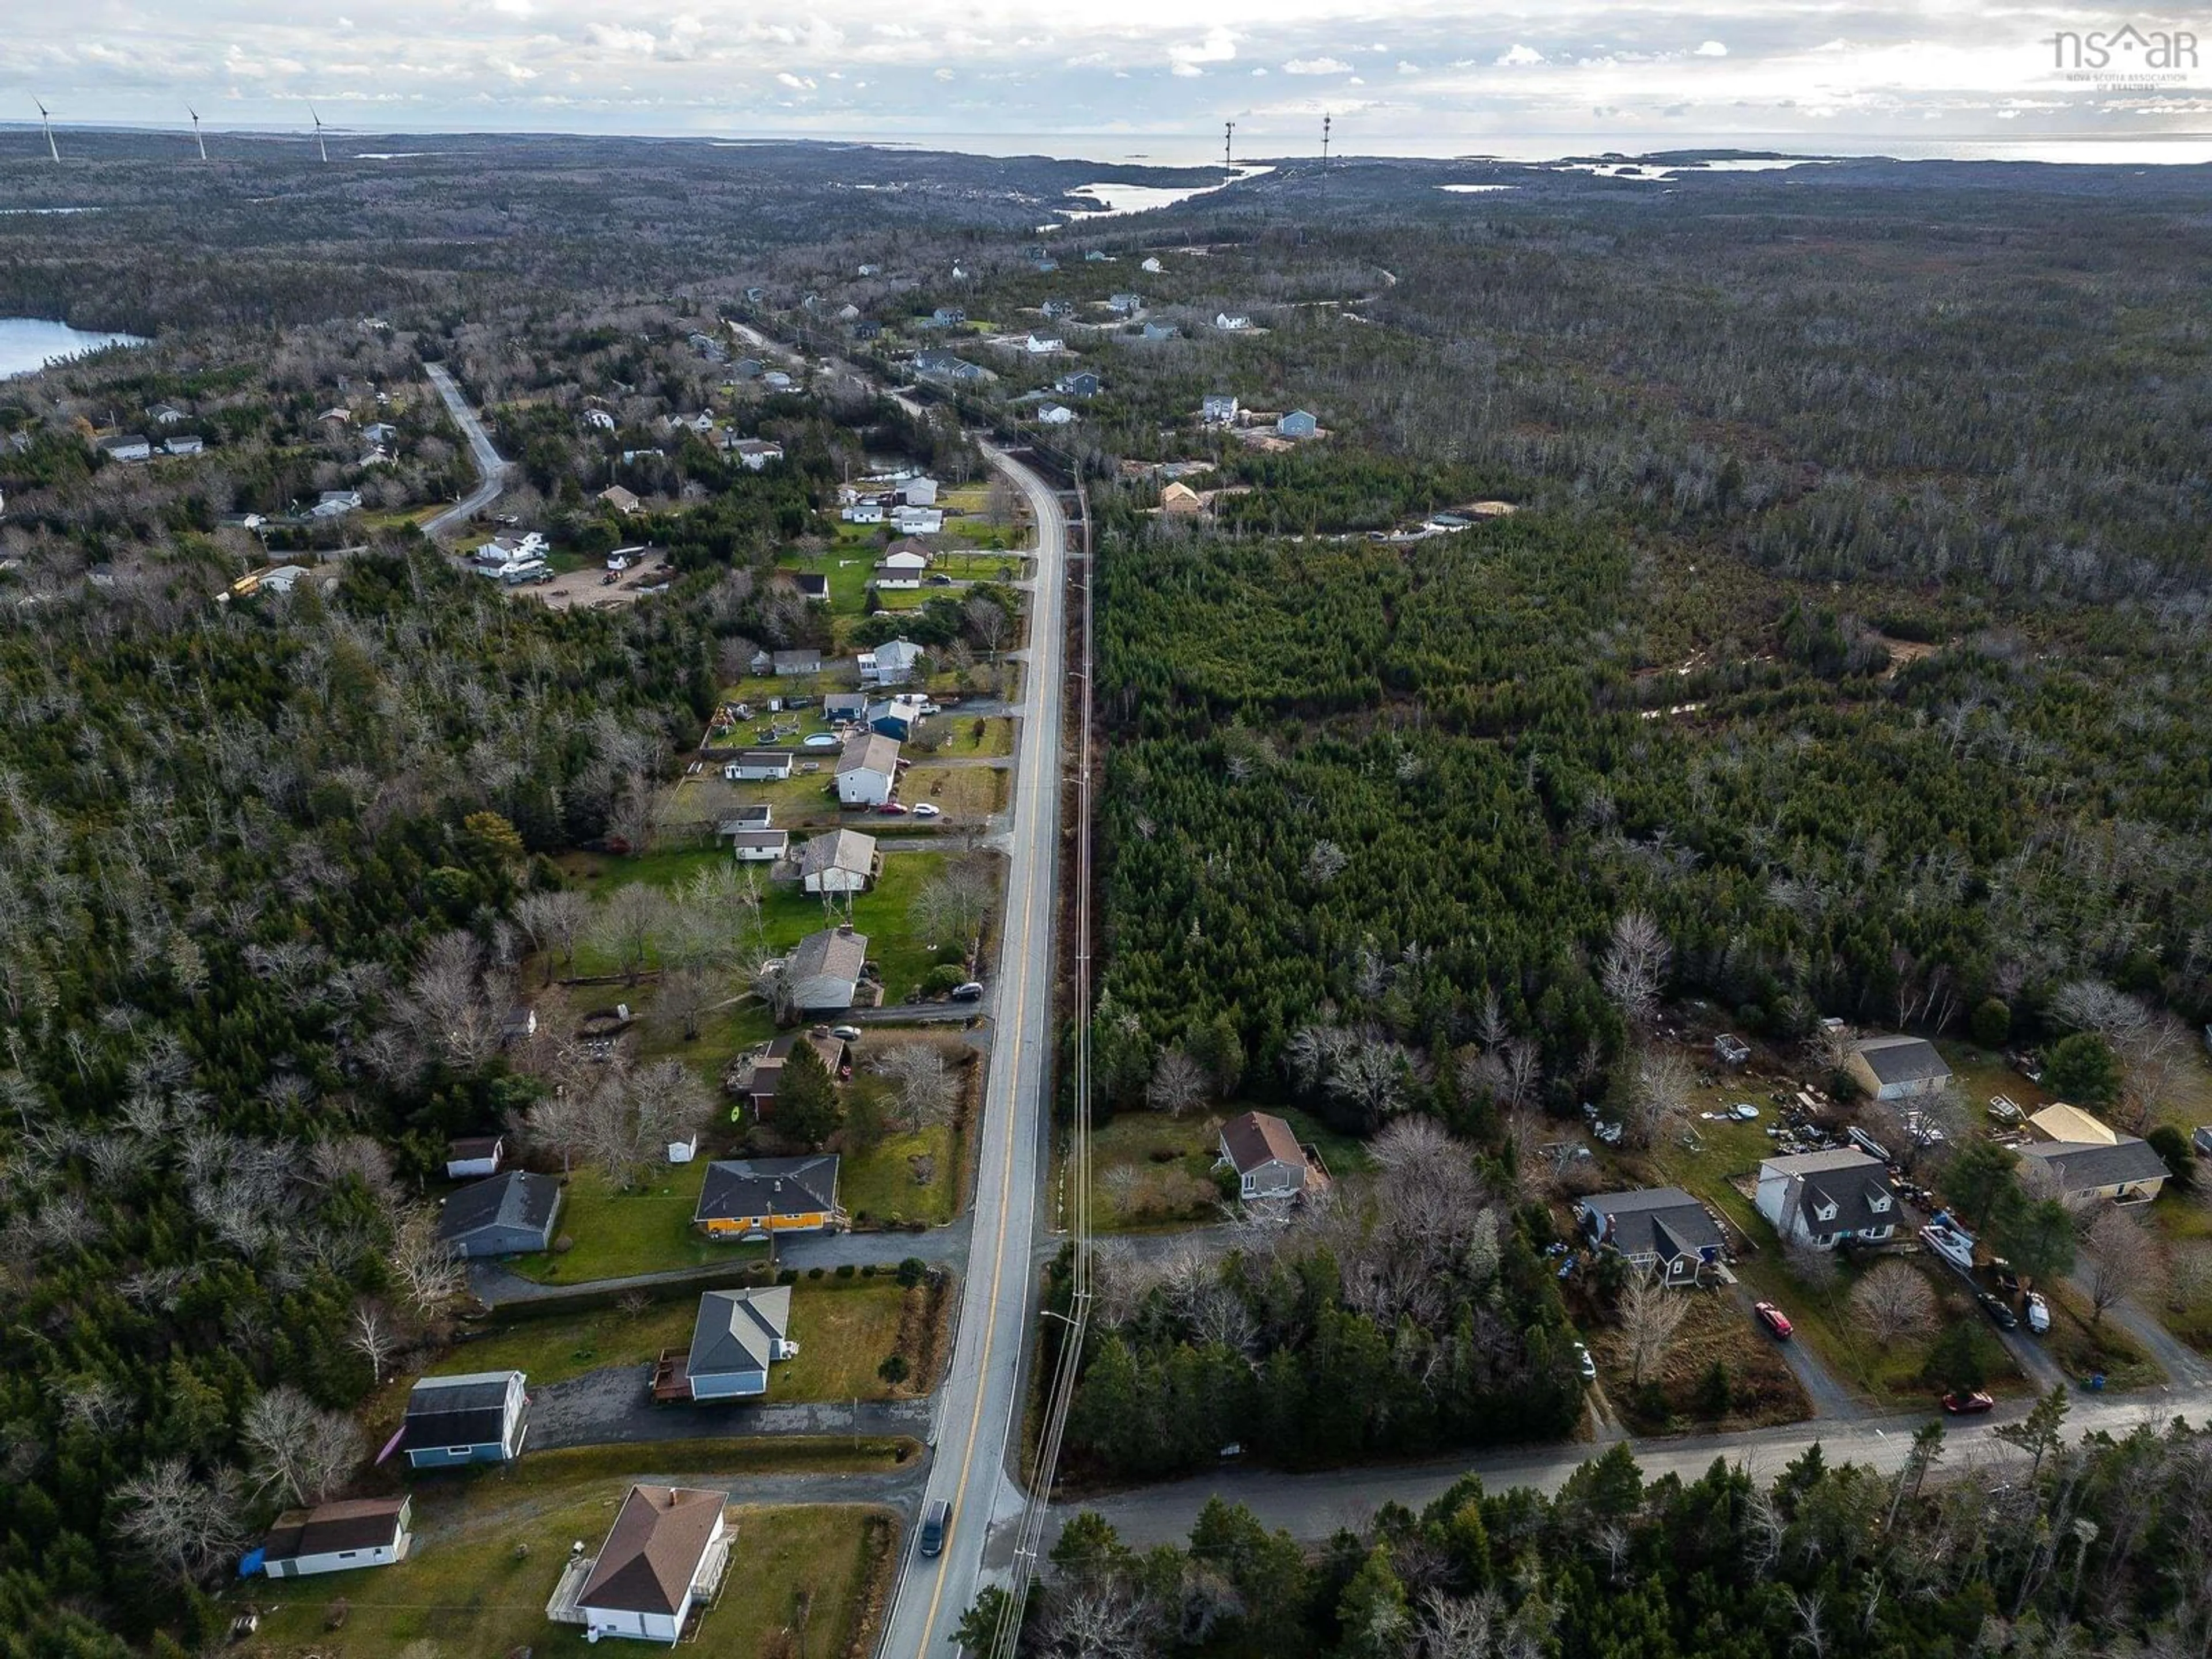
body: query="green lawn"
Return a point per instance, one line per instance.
(845, 1328)
(848, 566)
(1149, 1169)
(788, 914)
(644, 1230)
(487, 1553)
(967, 793)
(880, 1184)
(971, 734)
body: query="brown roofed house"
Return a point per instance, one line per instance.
(1267, 1156)
(361, 1532)
(664, 1554)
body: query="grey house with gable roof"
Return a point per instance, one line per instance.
(738, 1335)
(1661, 1230)
(507, 1215)
(1897, 1067)
(1822, 1199)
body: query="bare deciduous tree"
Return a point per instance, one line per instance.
(302, 1450)
(1178, 1082)
(186, 1527)
(1649, 1315)
(372, 1337)
(922, 1086)
(626, 923)
(553, 923)
(1893, 1300)
(1634, 966)
(952, 907)
(1659, 1097)
(429, 1272)
(2124, 1260)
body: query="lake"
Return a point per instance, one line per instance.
(32, 343)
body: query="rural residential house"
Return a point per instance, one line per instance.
(760, 1087)
(184, 444)
(2091, 1159)
(472, 1156)
(1231, 322)
(361, 1532)
(1056, 415)
(1181, 501)
(892, 663)
(737, 1336)
(1661, 1230)
(1298, 424)
(1125, 305)
(1825, 1198)
(794, 664)
(510, 1214)
(481, 1418)
(903, 564)
(622, 501)
(918, 491)
(1080, 383)
(896, 717)
(1219, 408)
(759, 766)
(759, 846)
(1897, 1067)
(823, 972)
(845, 707)
(918, 520)
(1267, 1156)
(748, 1198)
(666, 1554)
(867, 772)
(130, 447)
(811, 586)
(842, 861)
(755, 452)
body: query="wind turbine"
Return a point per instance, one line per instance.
(196, 139)
(47, 121)
(320, 147)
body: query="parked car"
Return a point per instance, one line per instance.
(936, 581)
(845, 1033)
(1774, 1318)
(1967, 1404)
(2039, 1313)
(923, 809)
(1587, 1365)
(894, 809)
(972, 992)
(2006, 1280)
(935, 1520)
(1999, 1311)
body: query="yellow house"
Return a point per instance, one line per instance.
(751, 1198)
(2088, 1159)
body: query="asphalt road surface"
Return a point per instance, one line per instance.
(491, 468)
(980, 1402)
(1313, 1506)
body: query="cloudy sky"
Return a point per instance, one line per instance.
(1145, 76)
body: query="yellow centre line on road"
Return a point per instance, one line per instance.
(1030, 737)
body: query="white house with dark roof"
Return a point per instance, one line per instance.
(1218, 408)
(1897, 1067)
(361, 1532)
(1661, 1230)
(1821, 1200)
(892, 663)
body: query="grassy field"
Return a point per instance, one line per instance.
(965, 793)
(1149, 1169)
(788, 914)
(881, 1184)
(974, 735)
(848, 566)
(487, 1553)
(1762, 1390)
(643, 1230)
(845, 1328)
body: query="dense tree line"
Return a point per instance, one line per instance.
(2088, 1545)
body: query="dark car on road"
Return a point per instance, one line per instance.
(934, 1521)
(1774, 1318)
(1967, 1404)
(1999, 1311)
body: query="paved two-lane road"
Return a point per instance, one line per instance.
(980, 1402)
(491, 467)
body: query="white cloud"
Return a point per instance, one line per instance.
(1184, 57)
(944, 74)
(630, 42)
(1316, 66)
(1712, 49)
(1520, 57)
(796, 82)
(1405, 68)
(512, 8)
(512, 71)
